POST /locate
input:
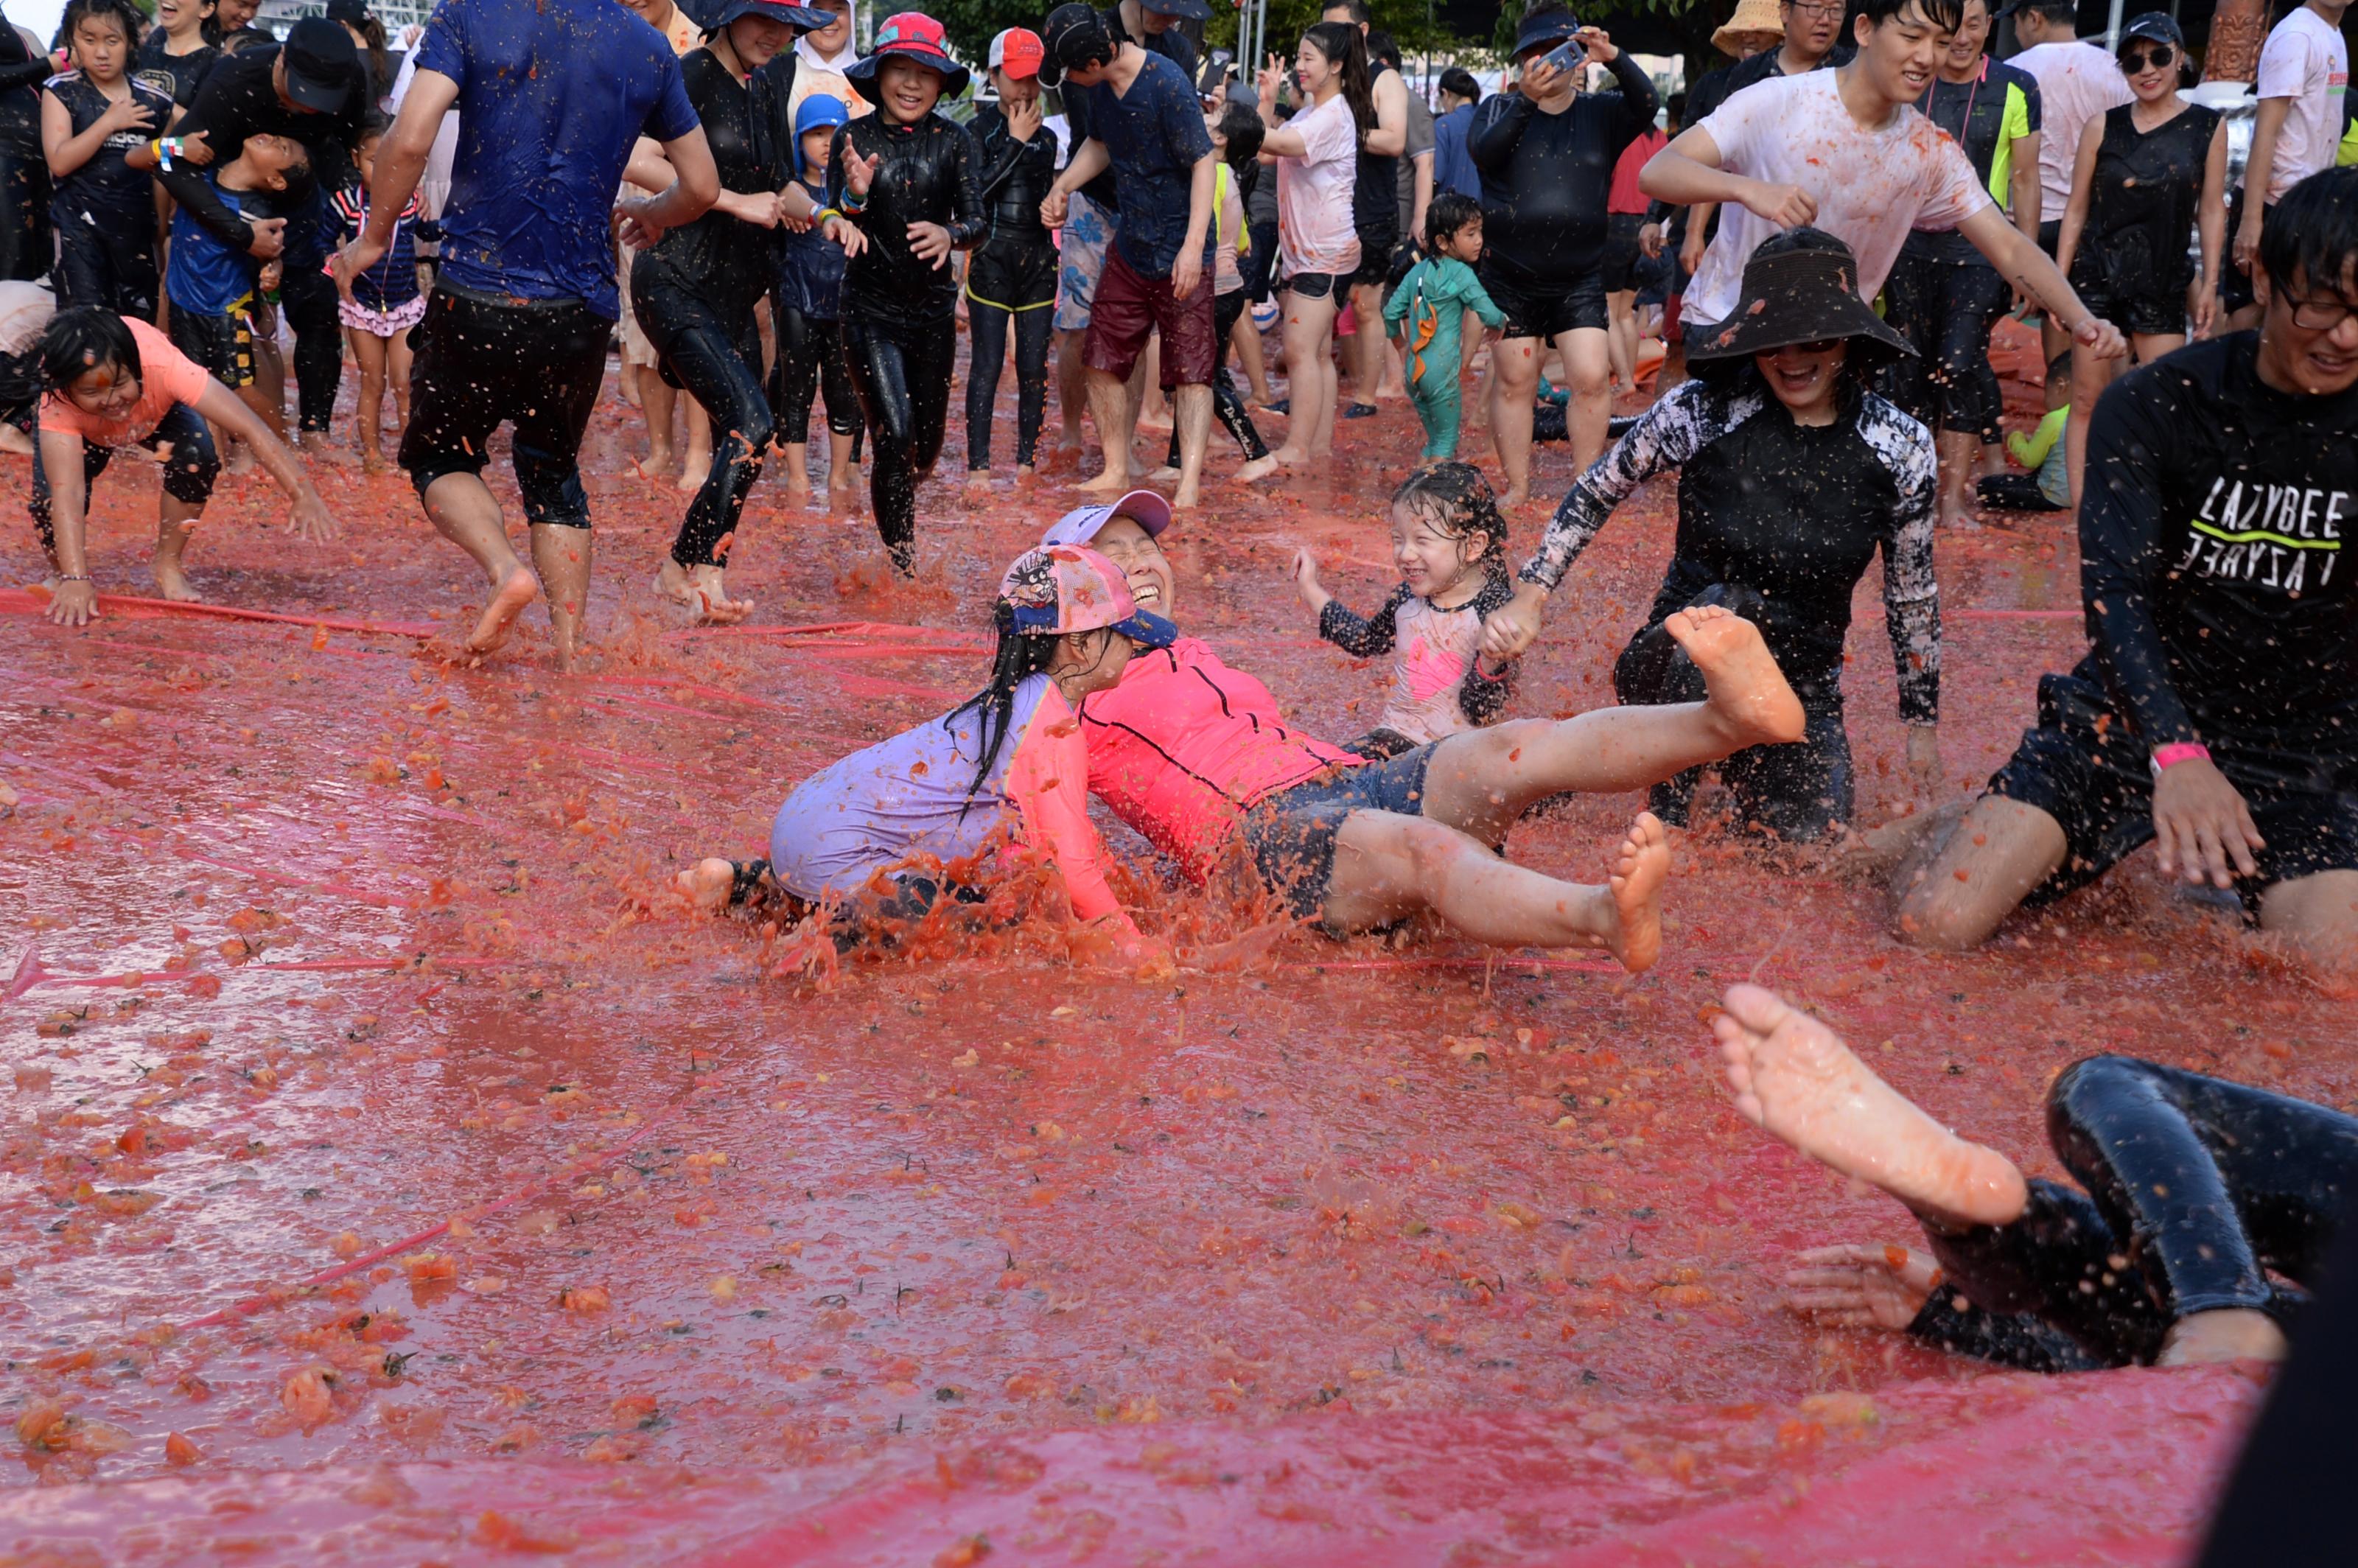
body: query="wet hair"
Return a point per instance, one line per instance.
(1356, 10)
(1449, 211)
(1945, 15)
(1347, 52)
(2312, 234)
(1018, 657)
(2053, 10)
(1460, 83)
(1240, 127)
(78, 341)
(120, 12)
(1380, 47)
(1454, 500)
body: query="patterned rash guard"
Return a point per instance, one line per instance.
(1793, 511)
(915, 796)
(1439, 686)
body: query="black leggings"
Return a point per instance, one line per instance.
(2196, 1189)
(901, 374)
(988, 325)
(307, 299)
(1798, 791)
(721, 370)
(1947, 313)
(1226, 401)
(2013, 493)
(114, 272)
(188, 473)
(810, 358)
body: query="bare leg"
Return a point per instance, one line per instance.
(398, 361)
(1388, 866)
(1514, 378)
(703, 589)
(2319, 914)
(562, 556)
(2090, 376)
(371, 351)
(1957, 889)
(1194, 409)
(1309, 326)
(175, 521)
(1621, 316)
(462, 511)
(1072, 390)
(1588, 370)
(1110, 408)
(798, 481)
(1959, 448)
(842, 473)
(1794, 1079)
(698, 461)
(1482, 780)
(1366, 348)
(1246, 339)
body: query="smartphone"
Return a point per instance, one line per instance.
(1565, 55)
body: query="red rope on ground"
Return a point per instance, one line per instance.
(32, 601)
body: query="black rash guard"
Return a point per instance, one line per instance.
(1793, 511)
(725, 261)
(1545, 177)
(927, 177)
(1019, 257)
(238, 100)
(176, 76)
(2142, 199)
(2211, 542)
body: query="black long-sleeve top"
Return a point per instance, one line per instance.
(1793, 511)
(927, 177)
(722, 259)
(238, 100)
(2211, 542)
(22, 71)
(2005, 1339)
(1015, 179)
(1545, 177)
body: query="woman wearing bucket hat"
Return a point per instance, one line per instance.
(887, 832)
(695, 291)
(1792, 475)
(2147, 174)
(902, 193)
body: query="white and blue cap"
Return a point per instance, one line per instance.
(1145, 507)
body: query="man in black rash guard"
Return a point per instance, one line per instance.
(25, 250)
(314, 90)
(1375, 212)
(695, 291)
(2218, 709)
(1546, 151)
(902, 194)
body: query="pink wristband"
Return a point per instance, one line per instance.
(2178, 751)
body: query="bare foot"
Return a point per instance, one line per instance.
(656, 466)
(1025, 473)
(240, 460)
(1288, 457)
(1639, 870)
(706, 884)
(692, 470)
(977, 484)
(1113, 481)
(842, 482)
(703, 589)
(1257, 469)
(516, 589)
(1748, 691)
(2227, 1333)
(1167, 474)
(1794, 1079)
(172, 583)
(1517, 495)
(798, 487)
(1874, 853)
(1183, 499)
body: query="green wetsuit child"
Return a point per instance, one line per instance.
(1424, 312)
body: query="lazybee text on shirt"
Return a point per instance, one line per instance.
(2286, 536)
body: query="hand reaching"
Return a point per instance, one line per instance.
(1861, 1287)
(860, 173)
(846, 234)
(1305, 581)
(930, 241)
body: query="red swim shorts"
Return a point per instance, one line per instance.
(1128, 308)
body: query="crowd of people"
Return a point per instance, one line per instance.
(768, 214)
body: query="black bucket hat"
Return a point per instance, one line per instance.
(802, 18)
(1544, 31)
(1801, 286)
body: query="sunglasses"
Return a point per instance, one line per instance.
(2135, 60)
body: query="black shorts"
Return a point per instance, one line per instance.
(1291, 833)
(222, 346)
(1014, 275)
(1622, 255)
(2084, 767)
(2153, 308)
(1376, 248)
(483, 362)
(2234, 283)
(1335, 286)
(1548, 312)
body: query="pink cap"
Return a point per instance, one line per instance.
(1058, 589)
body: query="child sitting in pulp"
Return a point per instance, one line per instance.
(1451, 547)
(384, 303)
(212, 285)
(1426, 310)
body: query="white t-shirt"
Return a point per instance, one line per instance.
(1314, 191)
(2305, 61)
(2077, 81)
(1871, 187)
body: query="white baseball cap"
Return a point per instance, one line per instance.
(1145, 507)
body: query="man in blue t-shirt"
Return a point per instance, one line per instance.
(1145, 125)
(551, 101)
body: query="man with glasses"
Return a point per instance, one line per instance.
(2218, 709)
(1812, 41)
(2077, 83)
(2304, 78)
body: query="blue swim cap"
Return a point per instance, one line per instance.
(820, 111)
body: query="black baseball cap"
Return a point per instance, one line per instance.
(322, 66)
(2155, 25)
(1076, 36)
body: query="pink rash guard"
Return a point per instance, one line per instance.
(1185, 745)
(909, 796)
